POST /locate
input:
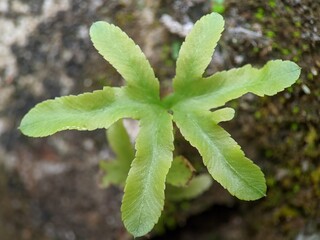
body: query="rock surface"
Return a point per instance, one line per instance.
(49, 187)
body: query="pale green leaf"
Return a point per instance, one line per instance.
(116, 171)
(119, 141)
(222, 115)
(144, 191)
(122, 53)
(196, 187)
(87, 111)
(180, 173)
(222, 155)
(196, 51)
(224, 86)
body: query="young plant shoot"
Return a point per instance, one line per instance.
(192, 106)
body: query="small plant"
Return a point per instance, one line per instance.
(194, 106)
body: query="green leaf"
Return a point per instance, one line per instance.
(222, 115)
(196, 52)
(87, 111)
(224, 86)
(117, 170)
(127, 58)
(196, 187)
(143, 199)
(221, 154)
(180, 173)
(120, 143)
(114, 173)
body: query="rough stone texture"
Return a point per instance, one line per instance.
(45, 52)
(49, 187)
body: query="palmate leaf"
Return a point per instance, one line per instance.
(143, 198)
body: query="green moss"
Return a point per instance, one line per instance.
(297, 24)
(272, 3)
(311, 148)
(260, 14)
(275, 45)
(294, 126)
(124, 18)
(296, 59)
(289, 10)
(270, 181)
(312, 136)
(270, 34)
(268, 153)
(297, 171)
(295, 110)
(285, 212)
(274, 197)
(290, 89)
(305, 47)
(296, 34)
(218, 6)
(310, 76)
(315, 176)
(257, 115)
(296, 188)
(255, 49)
(285, 51)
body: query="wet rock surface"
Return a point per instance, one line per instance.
(49, 187)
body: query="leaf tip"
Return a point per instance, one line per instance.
(138, 231)
(23, 127)
(289, 67)
(95, 28)
(217, 18)
(99, 29)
